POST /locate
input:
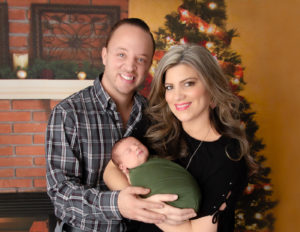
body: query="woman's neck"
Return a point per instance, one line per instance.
(203, 131)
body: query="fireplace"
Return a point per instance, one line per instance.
(26, 212)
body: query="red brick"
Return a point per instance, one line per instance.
(124, 15)
(40, 183)
(30, 150)
(39, 226)
(17, 14)
(24, 2)
(15, 139)
(5, 128)
(7, 172)
(30, 104)
(41, 116)
(78, 2)
(39, 161)
(14, 162)
(6, 150)
(15, 183)
(30, 172)
(123, 4)
(16, 27)
(39, 139)
(29, 127)
(15, 116)
(18, 41)
(53, 103)
(19, 50)
(4, 104)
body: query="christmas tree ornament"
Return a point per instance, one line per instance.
(267, 187)
(258, 216)
(212, 5)
(209, 45)
(183, 40)
(249, 189)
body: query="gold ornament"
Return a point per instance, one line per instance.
(209, 45)
(258, 216)
(21, 74)
(81, 75)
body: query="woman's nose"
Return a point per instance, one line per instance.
(178, 94)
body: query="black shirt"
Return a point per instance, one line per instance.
(221, 180)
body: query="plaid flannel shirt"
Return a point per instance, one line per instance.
(80, 134)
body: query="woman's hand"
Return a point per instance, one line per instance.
(174, 216)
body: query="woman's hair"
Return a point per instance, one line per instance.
(165, 133)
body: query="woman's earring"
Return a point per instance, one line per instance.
(212, 105)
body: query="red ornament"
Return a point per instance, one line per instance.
(238, 71)
(249, 189)
(147, 85)
(158, 54)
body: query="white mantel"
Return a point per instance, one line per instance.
(40, 89)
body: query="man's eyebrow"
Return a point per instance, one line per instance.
(124, 49)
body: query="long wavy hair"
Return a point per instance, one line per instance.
(165, 133)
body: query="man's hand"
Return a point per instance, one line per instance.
(174, 216)
(133, 207)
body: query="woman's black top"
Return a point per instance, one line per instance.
(221, 179)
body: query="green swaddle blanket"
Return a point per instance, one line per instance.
(165, 176)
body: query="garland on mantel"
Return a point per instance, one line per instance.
(56, 69)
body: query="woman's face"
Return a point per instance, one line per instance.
(186, 95)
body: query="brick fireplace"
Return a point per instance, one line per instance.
(25, 106)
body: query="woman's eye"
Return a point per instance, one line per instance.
(168, 87)
(190, 83)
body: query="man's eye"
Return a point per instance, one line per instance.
(121, 54)
(141, 60)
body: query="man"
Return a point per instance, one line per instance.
(83, 128)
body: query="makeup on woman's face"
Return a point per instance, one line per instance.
(186, 94)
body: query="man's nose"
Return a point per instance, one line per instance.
(130, 64)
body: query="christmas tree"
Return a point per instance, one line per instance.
(203, 22)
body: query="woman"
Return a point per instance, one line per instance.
(193, 119)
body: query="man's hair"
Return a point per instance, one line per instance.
(134, 22)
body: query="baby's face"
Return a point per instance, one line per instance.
(133, 152)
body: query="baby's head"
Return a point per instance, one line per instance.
(129, 153)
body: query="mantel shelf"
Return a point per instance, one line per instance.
(40, 89)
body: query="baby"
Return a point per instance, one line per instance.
(159, 175)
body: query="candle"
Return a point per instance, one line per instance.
(20, 60)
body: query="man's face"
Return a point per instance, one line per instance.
(127, 59)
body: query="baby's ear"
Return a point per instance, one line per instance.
(123, 168)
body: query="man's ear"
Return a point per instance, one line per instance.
(104, 55)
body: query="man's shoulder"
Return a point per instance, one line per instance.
(141, 99)
(76, 100)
